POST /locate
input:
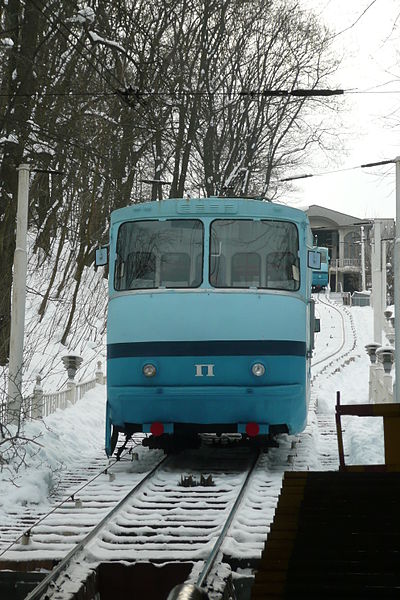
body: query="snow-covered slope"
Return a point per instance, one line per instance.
(43, 349)
(77, 433)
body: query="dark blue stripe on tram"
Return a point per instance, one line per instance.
(207, 348)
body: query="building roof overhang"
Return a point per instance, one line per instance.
(327, 217)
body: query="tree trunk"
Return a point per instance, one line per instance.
(22, 80)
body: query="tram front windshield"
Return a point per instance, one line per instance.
(157, 254)
(260, 254)
(243, 254)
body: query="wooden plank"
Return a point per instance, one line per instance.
(387, 409)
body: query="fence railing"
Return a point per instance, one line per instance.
(356, 299)
(345, 262)
(39, 405)
(42, 405)
(380, 376)
(380, 385)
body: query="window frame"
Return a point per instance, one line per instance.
(155, 287)
(263, 262)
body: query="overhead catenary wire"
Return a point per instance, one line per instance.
(74, 143)
(118, 88)
(126, 92)
(129, 91)
(70, 93)
(364, 166)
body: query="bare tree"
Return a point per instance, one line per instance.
(115, 94)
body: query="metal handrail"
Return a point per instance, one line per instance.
(344, 262)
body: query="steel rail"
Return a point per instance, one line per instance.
(213, 554)
(318, 362)
(66, 499)
(37, 592)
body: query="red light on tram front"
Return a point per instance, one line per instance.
(157, 428)
(252, 429)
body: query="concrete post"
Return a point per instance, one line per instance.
(363, 284)
(18, 300)
(37, 400)
(71, 363)
(386, 358)
(99, 374)
(71, 391)
(384, 275)
(371, 351)
(341, 263)
(337, 275)
(397, 283)
(388, 387)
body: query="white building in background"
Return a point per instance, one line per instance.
(342, 235)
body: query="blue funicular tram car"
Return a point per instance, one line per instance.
(320, 277)
(210, 320)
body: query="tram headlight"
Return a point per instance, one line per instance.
(149, 370)
(258, 370)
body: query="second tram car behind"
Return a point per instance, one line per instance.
(320, 277)
(210, 319)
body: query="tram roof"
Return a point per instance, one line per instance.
(209, 207)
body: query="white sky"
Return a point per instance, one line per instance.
(368, 131)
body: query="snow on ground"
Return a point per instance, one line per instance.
(363, 436)
(76, 434)
(43, 349)
(62, 440)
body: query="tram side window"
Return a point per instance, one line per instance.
(246, 269)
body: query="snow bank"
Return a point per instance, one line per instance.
(65, 439)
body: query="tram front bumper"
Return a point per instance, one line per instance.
(269, 405)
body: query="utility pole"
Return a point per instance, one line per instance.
(384, 274)
(397, 284)
(18, 300)
(376, 283)
(396, 161)
(363, 284)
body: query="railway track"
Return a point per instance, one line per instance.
(341, 331)
(321, 451)
(166, 519)
(76, 498)
(14, 523)
(163, 519)
(91, 498)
